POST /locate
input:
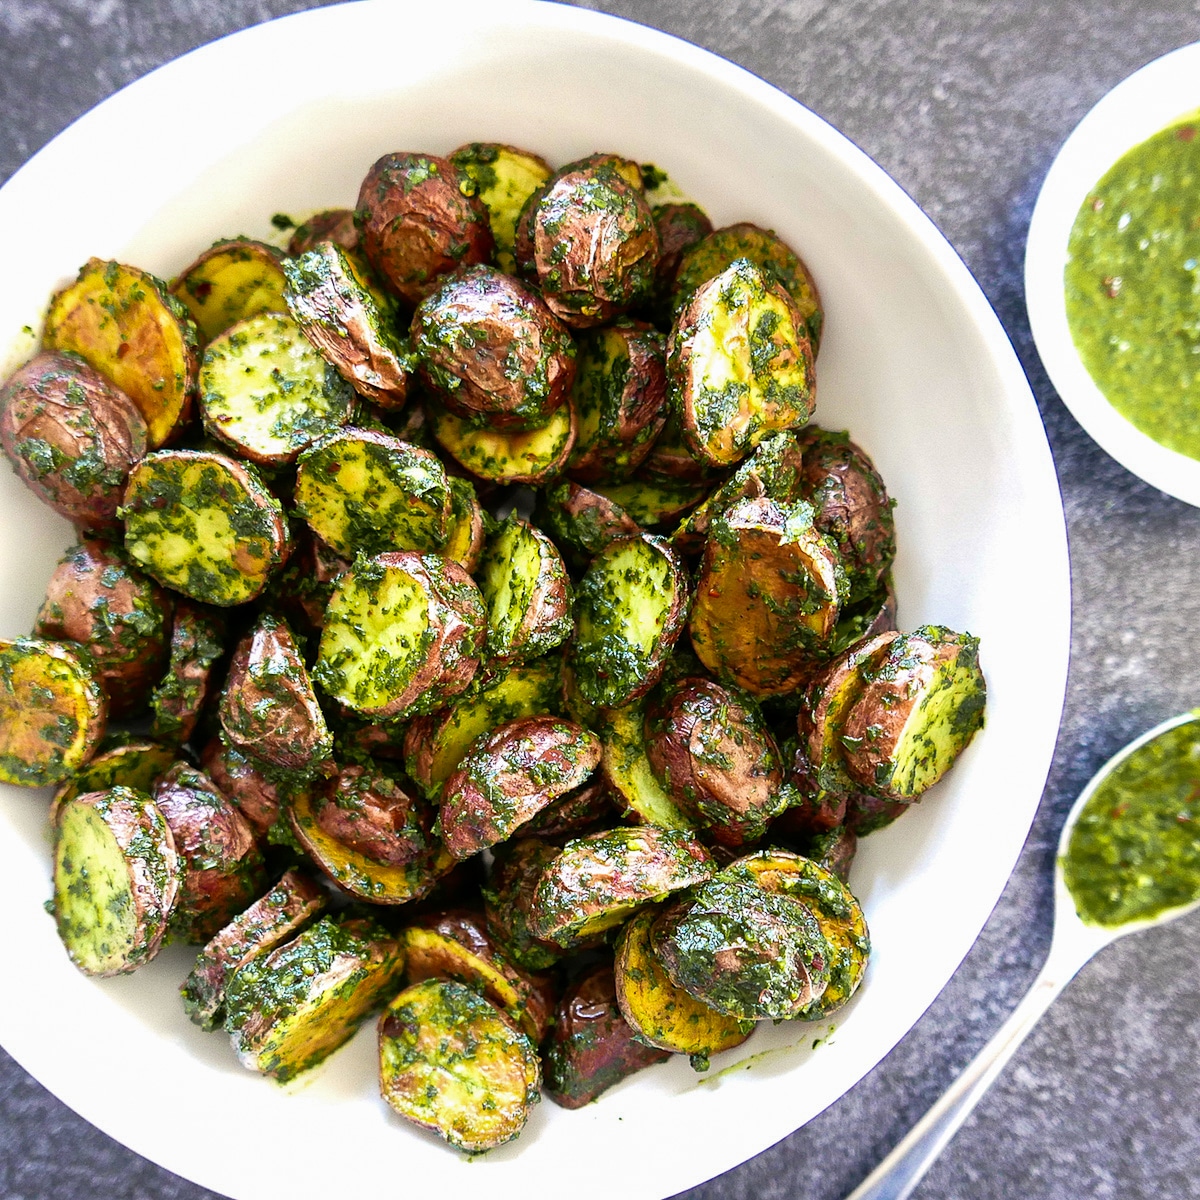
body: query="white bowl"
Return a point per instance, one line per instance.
(1151, 99)
(914, 363)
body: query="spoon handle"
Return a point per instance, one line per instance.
(899, 1173)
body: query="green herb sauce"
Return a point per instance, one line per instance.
(1135, 849)
(1133, 286)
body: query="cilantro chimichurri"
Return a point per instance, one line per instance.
(1135, 849)
(1133, 286)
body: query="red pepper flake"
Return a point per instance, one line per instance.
(1185, 133)
(122, 349)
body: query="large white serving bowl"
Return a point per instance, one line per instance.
(288, 117)
(1161, 93)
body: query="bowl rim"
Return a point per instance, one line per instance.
(1144, 103)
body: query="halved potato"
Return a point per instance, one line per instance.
(197, 645)
(767, 597)
(508, 776)
(627, 767)
(72, 436)
(467, 528)
(288, 1010)
(680, 226)
(654, 502)
(452, 1063)
(366, 810)
(919, 707)
(242, 779)
(230, 281)
(581, 522)
(600, 880)
(630, 608)
(204, 524)
(266, 924)
(135, 764)
(508, 900)
(592, 1047)
(116, 880)
(53, 711)
(136, 334)
(660, 1013)
(329, 225)
(403, 634)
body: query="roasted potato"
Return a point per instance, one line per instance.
(768, 597)
(242, 780)
(72, 437)
(456, 944)
(97, 598)
(592, 1046)
(509, 776)
(599, 880)
(739, 365)
(403, 635)
(269, 922)
(620, 395)
(452, 1063)
(288, 1010)
(370, 812)
(680, 226)
(712, 752)
(595, 249)
(585, 809)
(581, 522)
(768, 252)
(221, 867)
(53, 711)
(230, 281)
(527, 591)
(491, 351)
(204, 524)
(630, 609)
(508, 900)
(419, 218)
(334, 225)
(920, 705)
(116, 880)
(353, 324)
(268, 707)
(135, 764)
(197, 645)
(136, 334)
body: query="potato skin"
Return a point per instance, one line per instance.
(239, 778)
(508, 900)
(581, 522)
(419, 218)
(509, 776)
(716, 759)
(595, 248)
(679, 226)
(620, 397)
(334, 225)
(370, 812)
(222, 868)
(491, 350)
(71, 436)
(588, 807)
(592, 1046)
(97, 598)
(268, 707)
(197, 645)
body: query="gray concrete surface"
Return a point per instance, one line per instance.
(965, 103)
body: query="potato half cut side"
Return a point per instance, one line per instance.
(403, 634)
(365, 492)
(136, 334)
(767, 597)
(134, 764)
(288, 1010)
(53, 711)
(270, 921)
(919, 708)
(204, 524)
(740, 365)
(652, 502)
(527, 590)
(660, 1013)
(505, 456)
(358, 874)
(592, 1046)
(450, 1062)
(626, 766)
(838, 913)
(353, 324)
(456, 944)
(581, 522)
(116, 880)
(599, 880)
(267, 393)
(630, 608)
(231, 281)
(509, 776)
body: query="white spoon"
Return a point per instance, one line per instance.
(1073, 944)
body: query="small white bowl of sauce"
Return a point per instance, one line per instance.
(1112, 273)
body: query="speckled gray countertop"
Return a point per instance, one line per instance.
(965, 103)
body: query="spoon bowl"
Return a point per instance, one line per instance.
(1074, 943)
